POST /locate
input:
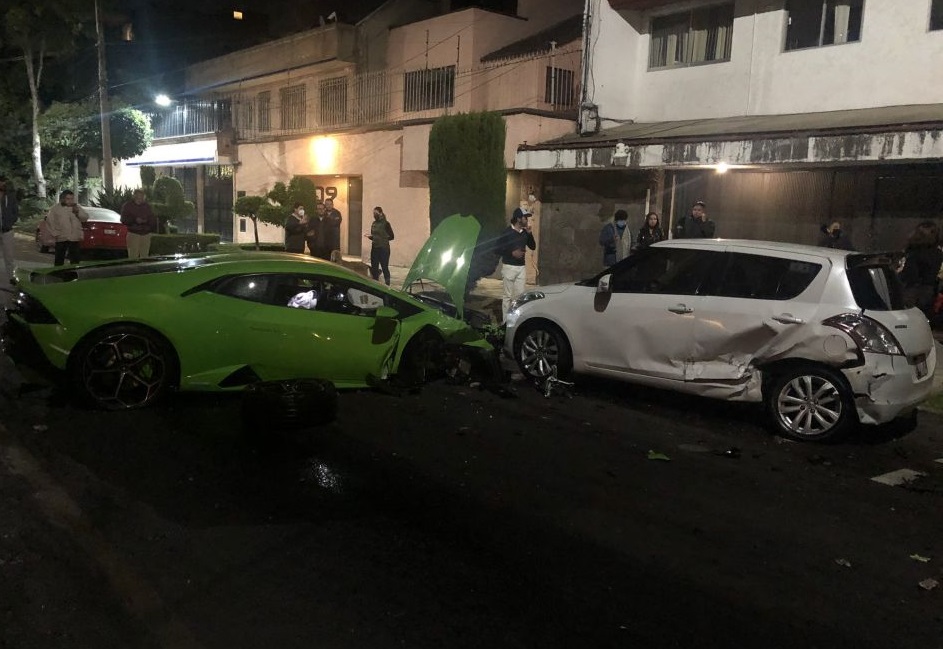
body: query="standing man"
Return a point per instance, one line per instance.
(333, 227)
(317, 234)
(295, 226)
(9, 213)
(511, 247)
(696, 225)
(142, 223)
(65, 221)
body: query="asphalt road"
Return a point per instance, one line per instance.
(458, 518)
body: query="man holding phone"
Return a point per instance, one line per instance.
(65, 221)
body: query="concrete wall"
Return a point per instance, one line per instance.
(890, 65)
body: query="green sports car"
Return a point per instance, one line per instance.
(128, 331)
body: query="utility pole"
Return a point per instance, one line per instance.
(104, 108)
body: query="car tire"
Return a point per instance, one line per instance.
(541, 350)
(124, 367)
(288, 405)
(421, 359)
(811, 403)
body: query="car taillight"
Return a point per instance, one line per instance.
(869, 335)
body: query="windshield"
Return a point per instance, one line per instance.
(874, 283)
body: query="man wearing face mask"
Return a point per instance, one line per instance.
(295, 227)
(616, 239)
(833, 237)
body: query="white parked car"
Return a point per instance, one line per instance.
(820, 336)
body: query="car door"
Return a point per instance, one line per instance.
(757, 308)
(645, 324)
(318, 326)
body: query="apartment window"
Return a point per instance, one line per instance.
(428, 89)
(936, 14)
(813, 23)
(333, 100)
(559, 87)
(264, 104)
(245, 114)
(292, 107)
(691, 37)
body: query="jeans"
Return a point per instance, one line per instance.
(74, 250)
(380, 258)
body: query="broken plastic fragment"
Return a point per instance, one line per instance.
(843, 562)
(920, 558)
(39, 428)
(661, 457)
(929, 584)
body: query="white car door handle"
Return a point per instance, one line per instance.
(787, 318)
(680, 308)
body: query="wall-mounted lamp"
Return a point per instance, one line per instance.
(721, 167)
(619, 153)
(162, 100)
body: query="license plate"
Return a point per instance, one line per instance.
(111, 232)
(921, 366)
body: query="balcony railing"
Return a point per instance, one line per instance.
(316, 103)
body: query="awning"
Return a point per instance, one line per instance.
(892, 134)
(198, 152)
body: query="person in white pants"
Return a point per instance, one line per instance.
(512, 244)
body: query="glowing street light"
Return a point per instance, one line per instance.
(162, 100)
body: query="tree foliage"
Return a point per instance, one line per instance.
(74, 129)
(168, 202)
(276, 204)
(466, 169)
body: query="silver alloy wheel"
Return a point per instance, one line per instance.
(123, 371)
(540, 353)
(809, 405)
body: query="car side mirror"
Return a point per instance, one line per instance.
(387, 312)
(604, 285)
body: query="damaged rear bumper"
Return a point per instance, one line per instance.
(887, 386)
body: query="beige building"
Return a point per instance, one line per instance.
(352, 106)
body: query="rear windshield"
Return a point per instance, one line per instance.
(874, 283)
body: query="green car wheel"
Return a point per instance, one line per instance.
(123, 367)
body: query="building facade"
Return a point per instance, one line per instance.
(352, 106)
(781, 115)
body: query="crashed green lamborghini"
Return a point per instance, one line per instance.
(129, 331)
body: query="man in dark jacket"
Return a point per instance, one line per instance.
(332, 228)
(695, 225)
(511, 247)
(141, 221)
(9, 214)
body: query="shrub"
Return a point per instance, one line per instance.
(114, 199)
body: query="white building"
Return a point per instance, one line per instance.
(817, 110)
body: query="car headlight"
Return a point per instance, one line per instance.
(521, 300)
(868, 334)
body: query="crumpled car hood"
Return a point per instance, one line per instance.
(445, 257)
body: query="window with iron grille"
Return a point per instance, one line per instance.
(559, 87)
(264, 104)
(245, 114)
(333, 101)
(292, 107)
(813, 23)
(936, 14)
(692, 37)
(428, 89)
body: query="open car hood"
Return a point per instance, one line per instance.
(446, 257)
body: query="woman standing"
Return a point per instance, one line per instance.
(381, 233)
(922, 261)
(651, 232)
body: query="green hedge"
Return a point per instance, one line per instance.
(236, 247)
(169, 244)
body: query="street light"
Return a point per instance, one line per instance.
(162, 100)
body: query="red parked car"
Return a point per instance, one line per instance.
(104, 233)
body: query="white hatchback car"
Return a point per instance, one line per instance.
(820, 336)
